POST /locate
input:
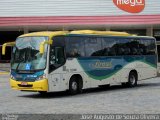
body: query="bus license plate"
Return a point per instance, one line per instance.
(24, 83)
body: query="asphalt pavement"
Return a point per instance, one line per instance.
(143, 99)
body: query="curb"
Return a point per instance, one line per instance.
(3, 73)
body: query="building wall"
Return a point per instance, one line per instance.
(29, 14)
(19, 8)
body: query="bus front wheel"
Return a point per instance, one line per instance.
(132, 79)
(73, 86)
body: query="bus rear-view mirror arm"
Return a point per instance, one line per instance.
(41, 48)
(5, 45)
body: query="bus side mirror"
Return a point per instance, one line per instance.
(41, 48)
(5, 45)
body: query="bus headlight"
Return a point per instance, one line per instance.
(12, 77)
(42, 77)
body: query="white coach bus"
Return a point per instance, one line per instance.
(63, 60)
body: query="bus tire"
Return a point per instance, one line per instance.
(74, 87)
(132, 79)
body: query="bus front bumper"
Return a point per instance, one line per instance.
(40, 85)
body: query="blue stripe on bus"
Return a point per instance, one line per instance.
(100, 68)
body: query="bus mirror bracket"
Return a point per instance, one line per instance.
(41, 48)
(5, 45)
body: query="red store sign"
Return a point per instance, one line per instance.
(131, 6)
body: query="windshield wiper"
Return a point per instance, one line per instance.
(19, 64)
(21, 60)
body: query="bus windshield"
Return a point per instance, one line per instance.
(26, 55)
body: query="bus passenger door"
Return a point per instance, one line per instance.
(158, 54)
(56, 73)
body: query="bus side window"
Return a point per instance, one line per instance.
(127, 51)
(109, 46)
(112, 52)
(60, 58)
(75, 47)
(57, 57)
(148, 46)
(93, 46)
(52, 58)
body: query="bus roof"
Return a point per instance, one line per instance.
(109, 33)
(81, 32)
(45, 33)
(106, 33)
